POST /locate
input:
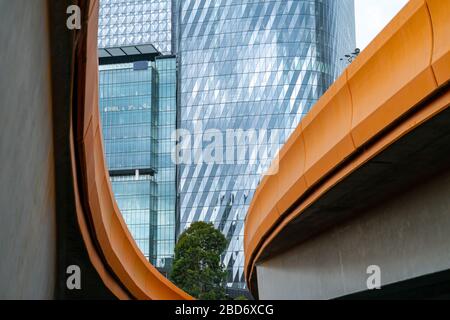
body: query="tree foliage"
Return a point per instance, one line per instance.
(197, 268)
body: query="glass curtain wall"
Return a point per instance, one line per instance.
(166, 175)
(138, 113)
(250, 65)
(128, 114)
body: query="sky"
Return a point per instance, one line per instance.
(372, 16)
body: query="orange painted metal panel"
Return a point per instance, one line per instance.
(269, 194)
(440, 17)
(250, 223)
(386, 82)
(267, 197)
(291, 180)
(326, 131)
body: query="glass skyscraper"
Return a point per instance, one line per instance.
(250, 65)
(138, 114)
(138, 106)
(128, 112)
(166, 168)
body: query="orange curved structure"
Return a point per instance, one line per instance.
(112, 251)
(372, 105)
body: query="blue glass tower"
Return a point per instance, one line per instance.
(166, 67)
(249, 65)
(138, 114)
(128, 112)
(138, 105)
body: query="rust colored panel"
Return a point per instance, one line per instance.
(292, 181)
(440, 18)
(394, 74)
(266, 200)
(326, 131)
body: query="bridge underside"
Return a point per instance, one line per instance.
(394, 212)
(363, 182)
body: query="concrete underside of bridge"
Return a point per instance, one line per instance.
(395, 214)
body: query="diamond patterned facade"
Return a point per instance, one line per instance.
(249, 64)
(135, 22)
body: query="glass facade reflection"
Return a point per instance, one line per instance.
(250, 64)
(166, 175)
(138, 114)
(128, 112)
(135, 22)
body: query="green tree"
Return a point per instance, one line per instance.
(197, 268)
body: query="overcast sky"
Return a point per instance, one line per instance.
(372, 16)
